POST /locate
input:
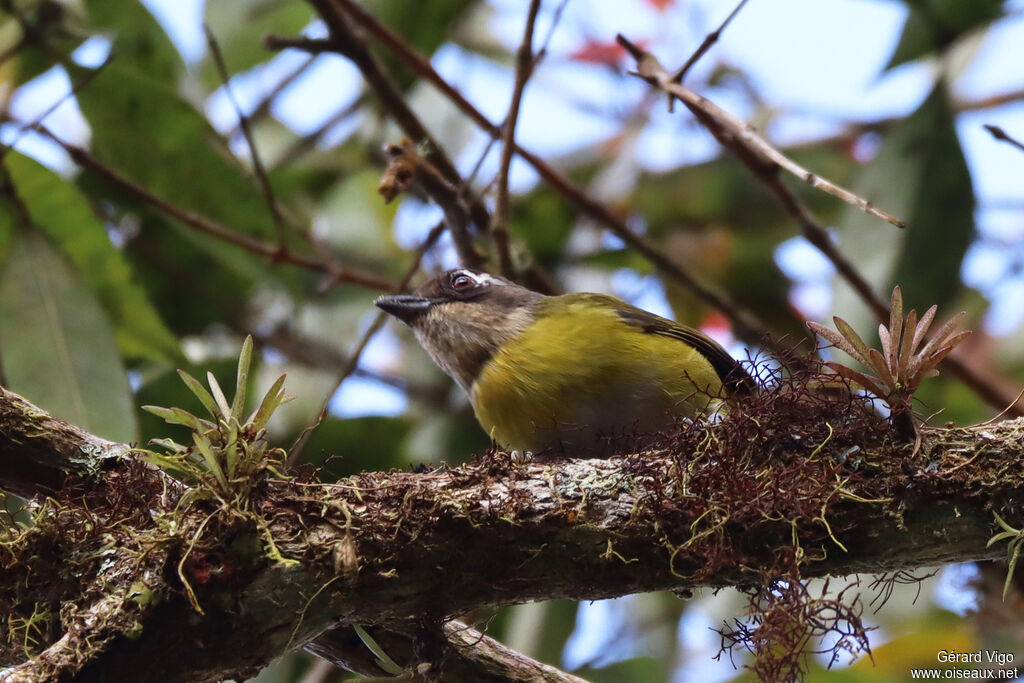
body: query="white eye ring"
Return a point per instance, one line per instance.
(462, 281)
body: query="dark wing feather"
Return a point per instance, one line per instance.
(732, 374)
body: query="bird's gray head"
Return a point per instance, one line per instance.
(463, 316)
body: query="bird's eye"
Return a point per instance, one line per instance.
(462, 281)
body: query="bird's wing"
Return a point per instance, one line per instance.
(733, 376)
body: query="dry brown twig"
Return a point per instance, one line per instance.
(524, 68)
(1000, 134)
(747, 324)
(332, 270)
(353, 358)
(709, 40)
(345, 41)
(735, 134)
(266, 188)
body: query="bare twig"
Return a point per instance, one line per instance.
(555, 20)
(353, 359)
(204, 225)
(524, 67)
(1000, 134)
(406, 167)
(243, 122)
(263, 106)
(739, 139)
(75, 89)
(709, 40)
(989, 101)
(345, 41)
(309, 142)
(736, 135)
(747, 324)
(313, 46)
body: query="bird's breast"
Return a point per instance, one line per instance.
(580, 382)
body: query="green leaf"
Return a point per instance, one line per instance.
(60, 209)
(200, 392)
(162, 386)
(271, 400)
(209, 457)
(138, 39)
(218, 396)
(920, 176)
(187, 164)
(242, 379)
(178, 416)
(56, 345)
(383, 660)
(933, 25)
(239, 26)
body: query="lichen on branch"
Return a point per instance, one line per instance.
(789, 484)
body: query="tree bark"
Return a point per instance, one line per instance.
(406, 552)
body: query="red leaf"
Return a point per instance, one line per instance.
(660, 5)
(715, 322)
(597, 52)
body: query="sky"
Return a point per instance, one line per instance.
(817, 64)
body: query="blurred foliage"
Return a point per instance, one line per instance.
(103, 295)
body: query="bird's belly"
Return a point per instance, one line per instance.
(580, 419)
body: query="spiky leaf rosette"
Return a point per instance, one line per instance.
(228, 450)
(905, 359)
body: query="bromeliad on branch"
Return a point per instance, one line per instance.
(899, 368)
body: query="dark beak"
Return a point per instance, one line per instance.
(405, 307)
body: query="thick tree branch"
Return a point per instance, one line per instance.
(38, 452)
(714, 505)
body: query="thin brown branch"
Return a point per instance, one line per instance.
(524, 68)
(266, 188)
(736, 135)
(314, 46)
(407, 167)
(465, 654)
(262, 108)
(353, 358)
(556, 19)
(709, 40)
(746, 323)
(206, 226)
(989, 101)
(75, 89)
(309, 142)
(353, 47)
(756, 154)
(1000, 134)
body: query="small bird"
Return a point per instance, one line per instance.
(583, 375)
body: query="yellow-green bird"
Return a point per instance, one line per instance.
(577, 374)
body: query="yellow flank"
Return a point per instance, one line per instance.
(580, 372)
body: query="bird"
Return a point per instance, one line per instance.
(572, 375)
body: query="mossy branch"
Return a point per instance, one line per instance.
(404, 552)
